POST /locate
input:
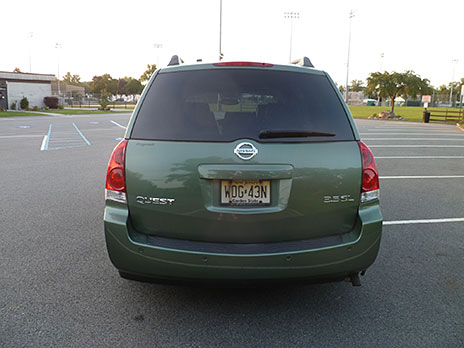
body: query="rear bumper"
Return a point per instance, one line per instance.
(320, 262)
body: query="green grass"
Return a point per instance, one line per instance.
(19, 113)
(62, 112)
(82, 112)
(409, 113)
(111, 105)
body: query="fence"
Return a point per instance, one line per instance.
(446, 115)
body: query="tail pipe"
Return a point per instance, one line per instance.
(354, 279)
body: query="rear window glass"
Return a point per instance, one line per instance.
(230, 104)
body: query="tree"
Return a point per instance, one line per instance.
(392, 85)
(147, 74)
(72, 79)
(104, 82)
(133, 87)
(357, 86)
(121, 90)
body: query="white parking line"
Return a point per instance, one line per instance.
(44, 141)
(117, 124)
(421, 177)
(20, 136)
(412, 133)
(416, 157)
(428, 221)
(421, 145)
(414, 139)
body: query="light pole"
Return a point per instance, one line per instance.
(29, 36)
(220, 31)
(291, 16)
(348, 59)
(58, 47)
(454, 62)
(157, 48)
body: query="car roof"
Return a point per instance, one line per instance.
(212, 66)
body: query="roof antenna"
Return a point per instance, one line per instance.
(303, 62)
(175, 60)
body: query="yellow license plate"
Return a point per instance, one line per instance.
(246, 192)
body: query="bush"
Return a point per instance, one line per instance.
(35, 108)
(103, 101)
(24, 103)
(1, 109)
(61, 107)
(51, 102)
(13, 106)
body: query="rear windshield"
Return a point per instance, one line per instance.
(229, 104)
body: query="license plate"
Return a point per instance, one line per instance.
(246, 192)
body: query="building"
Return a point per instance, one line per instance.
(14, 86)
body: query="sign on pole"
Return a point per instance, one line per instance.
(426, 98)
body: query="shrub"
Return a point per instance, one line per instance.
(2, 109)
(51, 102)
(13, 106)
(24, 103)
(35, 108)
(61, 107)
(103, 101)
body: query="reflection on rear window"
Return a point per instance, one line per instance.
(231, 104)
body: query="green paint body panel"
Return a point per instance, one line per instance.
(188, 239)
(301, 175)
(135, 257)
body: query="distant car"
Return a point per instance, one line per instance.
(242, 172)
(369, 102)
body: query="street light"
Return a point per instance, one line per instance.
(157, 47)
(348, 60)
(58, 46)
(29, 36)
(454, 62)
(291, 16)
(220, 31)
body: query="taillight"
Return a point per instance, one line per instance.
(115, 175)
(266, 65)
(370, 175)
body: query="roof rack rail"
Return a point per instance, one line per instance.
(303, 62)
(175, 60)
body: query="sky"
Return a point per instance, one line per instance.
(119, 37)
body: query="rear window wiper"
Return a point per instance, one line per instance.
(280, 133)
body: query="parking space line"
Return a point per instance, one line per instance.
(82, 135)
(419, 145)
(417, 157)
(413, 133)
(117, 124)
(427, 221)
(415, 139)
(44, 141)
(47, 140)
(21, 136)
(421, 177)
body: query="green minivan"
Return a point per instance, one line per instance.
(242, 172)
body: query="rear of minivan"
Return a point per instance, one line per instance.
(242, 172)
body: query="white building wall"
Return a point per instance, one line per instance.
(34, 92)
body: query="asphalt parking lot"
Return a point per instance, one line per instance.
(59, 289)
